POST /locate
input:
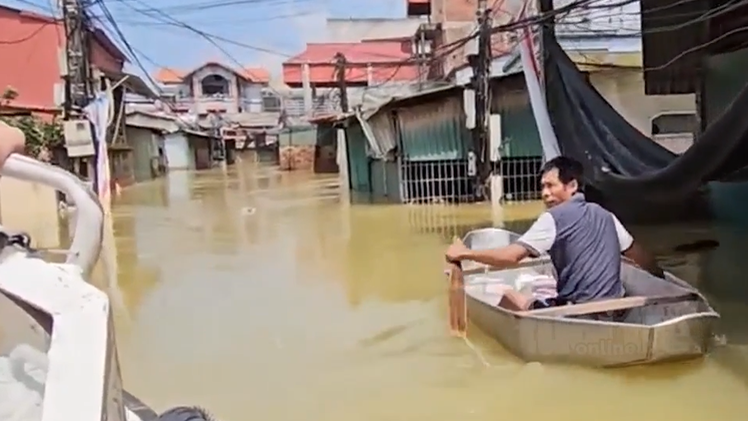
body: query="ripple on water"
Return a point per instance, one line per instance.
(327, 311)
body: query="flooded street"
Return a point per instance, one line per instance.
(261, 294)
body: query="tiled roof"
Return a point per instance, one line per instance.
(256, 74)
(253, 74)
(169, 75)
(358, 52)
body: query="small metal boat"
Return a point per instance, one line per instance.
(671, 330)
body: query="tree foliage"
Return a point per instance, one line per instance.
(41, 136)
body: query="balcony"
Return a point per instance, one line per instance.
(203, 105)
(220, 103)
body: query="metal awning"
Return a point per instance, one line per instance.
(134, 84)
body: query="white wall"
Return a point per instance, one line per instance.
(624, 90)
(178, 154)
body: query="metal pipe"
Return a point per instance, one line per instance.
(89, 217)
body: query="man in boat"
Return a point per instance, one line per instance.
(585, 243)
(12, 140)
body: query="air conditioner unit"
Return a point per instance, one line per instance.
(78, 138)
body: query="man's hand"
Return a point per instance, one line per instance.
(12, 140)
(456, 252)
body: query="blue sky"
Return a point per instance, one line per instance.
(281, 27)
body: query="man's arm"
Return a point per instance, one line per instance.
(632, 250)
(12, 140)
(536, 241)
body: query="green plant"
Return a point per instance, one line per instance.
(41, 136)
(9, 94)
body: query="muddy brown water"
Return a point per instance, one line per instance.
(262, 294)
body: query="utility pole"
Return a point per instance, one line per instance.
(547, 35)
(421, 50)
(79, 87)
(481, 64)
(340, 66)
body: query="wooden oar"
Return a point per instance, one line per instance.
(609, 305)
(457, 305)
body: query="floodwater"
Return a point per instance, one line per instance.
(262, 294)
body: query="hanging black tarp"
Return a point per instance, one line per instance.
(622, 163)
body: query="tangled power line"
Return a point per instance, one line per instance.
(175, 17)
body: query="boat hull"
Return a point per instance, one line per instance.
(593, 343)
(654, 333)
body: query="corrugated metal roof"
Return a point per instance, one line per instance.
(434, 131)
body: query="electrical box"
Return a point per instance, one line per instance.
(78, 138)
(472, 167)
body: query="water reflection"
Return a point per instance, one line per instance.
(313, 308)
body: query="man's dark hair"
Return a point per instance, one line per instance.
(569, 169)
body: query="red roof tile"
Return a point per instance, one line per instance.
(253, 74)
(256, 74)
(359, 52)
(169, 75)
(29, 45)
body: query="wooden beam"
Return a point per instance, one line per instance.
(609, 305)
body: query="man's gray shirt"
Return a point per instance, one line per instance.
(585, 243)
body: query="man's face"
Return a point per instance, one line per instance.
(554, 191)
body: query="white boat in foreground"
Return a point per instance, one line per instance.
(680, 326)
(58, 356)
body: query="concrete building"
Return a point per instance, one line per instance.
(245, 99)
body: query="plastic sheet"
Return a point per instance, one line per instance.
(624, 164)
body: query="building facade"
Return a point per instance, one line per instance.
(215, 87)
